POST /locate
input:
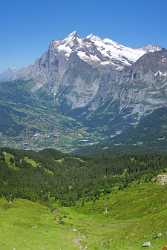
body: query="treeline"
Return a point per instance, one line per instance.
(50, 174)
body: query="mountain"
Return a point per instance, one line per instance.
(91, 49)
(72, 68)
(103, 88)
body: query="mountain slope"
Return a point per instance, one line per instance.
(136, 93)
(29, 120)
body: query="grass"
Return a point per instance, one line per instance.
(25, 225)
(134, 216)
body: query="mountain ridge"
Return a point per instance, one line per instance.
(73, 43)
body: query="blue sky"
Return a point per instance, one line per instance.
(26, 27)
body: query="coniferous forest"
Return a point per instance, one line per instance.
(50, 174)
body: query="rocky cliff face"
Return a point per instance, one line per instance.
(146, 83)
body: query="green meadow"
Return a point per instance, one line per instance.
(122, 220)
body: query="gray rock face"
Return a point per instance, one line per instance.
(147, 82)
(79, 84)
(140, 88)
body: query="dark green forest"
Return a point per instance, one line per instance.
(50, 174)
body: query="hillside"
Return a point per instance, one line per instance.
(135, 215)
(107, 200)
(50, 174)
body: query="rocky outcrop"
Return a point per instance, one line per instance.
(162, 179)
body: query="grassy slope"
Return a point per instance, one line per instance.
(135, 215)
(30, 226)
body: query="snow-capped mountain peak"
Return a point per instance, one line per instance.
(71, 43)
(93, 37)
(96, 50)
(92, 49)
(72, 37)
(73, 34)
